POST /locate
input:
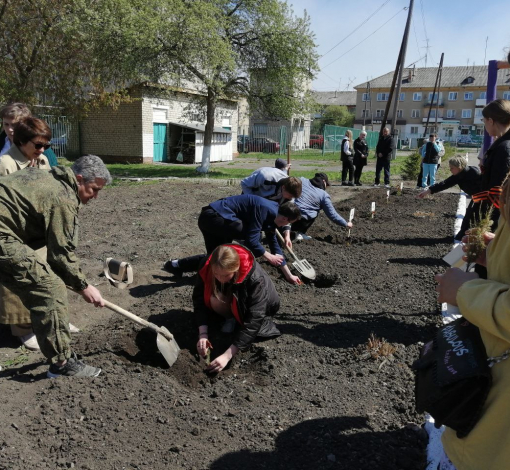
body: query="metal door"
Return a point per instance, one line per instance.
(159, 143)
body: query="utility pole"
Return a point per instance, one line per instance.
(439, 71)
(371, 112)
(365, 110)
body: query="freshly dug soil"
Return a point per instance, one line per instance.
(315, 398)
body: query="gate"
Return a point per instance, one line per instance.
(65, 138)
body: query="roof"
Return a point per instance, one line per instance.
(200, 127)
(339, 98)
(451, 77)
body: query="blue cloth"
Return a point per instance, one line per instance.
(256, 214)
(429, 169)
(313, 199)
(6, 146)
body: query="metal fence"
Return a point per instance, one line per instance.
(65, 141)
(333, 136)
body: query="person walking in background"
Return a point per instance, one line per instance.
(360, 156)
(384, 150)
(232, 285)
(430, 158)
(347, 159)
(469, 180)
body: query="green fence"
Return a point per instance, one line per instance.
(333, 136)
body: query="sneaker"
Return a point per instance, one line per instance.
(359, 184)
(377, 185)
(168, 267)
(344, 183)
(229, 325)
(30, 342)
(350, 183)
(73, 329)
(298, 237)
(72, 368)
(387, 186)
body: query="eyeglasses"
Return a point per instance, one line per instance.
(39, 146)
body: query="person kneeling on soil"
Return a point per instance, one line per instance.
(241, 218)
(37, 208)
(313, 198)
(469, 179)
(234, 286)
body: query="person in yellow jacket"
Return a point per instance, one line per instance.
(486, 304)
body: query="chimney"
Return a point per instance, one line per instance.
(409, 76)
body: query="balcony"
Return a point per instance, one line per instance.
(480, 102)
(435, 103)
(478, 120)
(433, 119)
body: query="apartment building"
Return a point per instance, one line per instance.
(458, 105)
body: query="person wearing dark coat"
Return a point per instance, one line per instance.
(360, 156)
(242, 218)
(231, 284)
(468, 178)
(347, 159)
(384, 150)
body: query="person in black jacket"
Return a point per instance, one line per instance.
(384, 150)
(469, 180)
(231, 284)
(360, 156)
(430, 159)
(347, 159)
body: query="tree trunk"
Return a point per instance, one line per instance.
(208, 134)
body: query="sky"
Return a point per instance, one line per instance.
(360, 39)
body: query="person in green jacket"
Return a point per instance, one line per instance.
(40, 208)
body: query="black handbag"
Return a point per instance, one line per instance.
(453, 377)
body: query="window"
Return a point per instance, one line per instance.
(432, 113)
(483, 95)
(468, 96)
(450, 113)
(365, 97)
(414, 129)
(415, 113)
(478, 112)
(417, 96)
(382, 96)
(436, 96)
(365, 112)
(402, 97)
(400, 113)
(452, 96)
(479, 131)
(466, 113)
(506, 95)
(379, 113)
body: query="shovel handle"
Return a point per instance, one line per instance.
(133, 317)
(279, 235)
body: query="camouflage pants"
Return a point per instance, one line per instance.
(42, 292)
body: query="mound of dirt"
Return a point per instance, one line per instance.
(317, 397)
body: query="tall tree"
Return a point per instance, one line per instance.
(338, 116)
(253, 48)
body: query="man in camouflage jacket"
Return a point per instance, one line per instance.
(39, 208)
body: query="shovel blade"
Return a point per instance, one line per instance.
(304, 268)
(168, 348)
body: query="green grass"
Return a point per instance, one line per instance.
(308, 154)
(19, 360)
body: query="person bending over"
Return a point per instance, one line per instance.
(242, 218)
(231, 284)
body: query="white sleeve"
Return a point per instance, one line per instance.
(346, 147)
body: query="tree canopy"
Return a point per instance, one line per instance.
(338, 116)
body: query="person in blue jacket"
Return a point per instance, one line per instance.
(242, 218)
(313, 199)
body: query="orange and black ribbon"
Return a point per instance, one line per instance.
(492, 195)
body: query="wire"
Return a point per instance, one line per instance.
(400, 11)
(425, 30)
(417, 43)
(356, 28)
(331, 78)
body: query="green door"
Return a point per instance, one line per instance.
(159, 143)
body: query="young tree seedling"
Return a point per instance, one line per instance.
(476, 243)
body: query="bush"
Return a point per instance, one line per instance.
(411, 167)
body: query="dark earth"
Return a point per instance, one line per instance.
(316, 398)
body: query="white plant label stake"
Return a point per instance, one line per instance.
(388, 196)
(401, 186)
(373, 209)
(351, 216)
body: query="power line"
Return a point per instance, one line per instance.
(357, 27)
(400, 11)
(417, 43)
(425, 31)
(331, 78)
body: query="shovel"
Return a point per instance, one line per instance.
(302, 266)
(165, 340)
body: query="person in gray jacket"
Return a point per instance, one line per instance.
(313, 199)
